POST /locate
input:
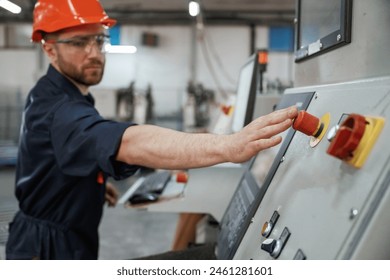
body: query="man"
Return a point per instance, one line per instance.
(67, 150)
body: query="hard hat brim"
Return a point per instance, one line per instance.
(49, 28)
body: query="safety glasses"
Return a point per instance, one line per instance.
(84, 43)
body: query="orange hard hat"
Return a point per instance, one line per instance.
(53, 15)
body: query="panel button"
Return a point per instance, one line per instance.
(269, 225)
(275, 246)
(307, 124)
(272, 246)
(312, 126)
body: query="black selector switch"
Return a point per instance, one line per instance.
(275, 246)
(271, 246)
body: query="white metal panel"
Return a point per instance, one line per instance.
(314, 192)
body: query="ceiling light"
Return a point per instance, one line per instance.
(193, 8)
(120, 49)
(9, 6)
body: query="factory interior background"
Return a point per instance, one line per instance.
(173, 62)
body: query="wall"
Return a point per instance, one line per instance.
(17, 68)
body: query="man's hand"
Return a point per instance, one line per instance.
(111, 194)
(261, 133)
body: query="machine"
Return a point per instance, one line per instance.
(327, 195)
(324, 192)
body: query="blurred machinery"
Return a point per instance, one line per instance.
(125, 103)
(198, 108)
(135, 105)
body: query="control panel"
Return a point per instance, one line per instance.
(329, 197)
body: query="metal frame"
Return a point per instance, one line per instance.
(333, 40)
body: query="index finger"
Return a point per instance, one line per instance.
(278, 116)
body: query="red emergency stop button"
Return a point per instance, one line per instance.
(308, 124)
(348, 137)
(182, 177)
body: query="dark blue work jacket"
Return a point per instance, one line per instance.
(66, 152)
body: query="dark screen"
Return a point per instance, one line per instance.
(322, 26)
(318, 19)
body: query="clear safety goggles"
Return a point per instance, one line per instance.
(84, 43)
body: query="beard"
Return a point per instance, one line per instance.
(88, 74)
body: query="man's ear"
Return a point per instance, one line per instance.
(50, 51)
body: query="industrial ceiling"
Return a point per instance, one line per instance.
(159, 12)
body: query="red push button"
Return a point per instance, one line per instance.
(181, 177)
(226, 109)
(348, 137)
(307, 124)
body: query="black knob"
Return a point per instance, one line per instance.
(269, 245)
(275, 246)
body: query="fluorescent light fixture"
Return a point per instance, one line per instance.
(193, 8)
(9, 6)
(120, 49)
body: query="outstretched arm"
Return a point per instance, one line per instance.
(157, 147)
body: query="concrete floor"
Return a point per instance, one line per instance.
(129, 233)
(124, 233)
